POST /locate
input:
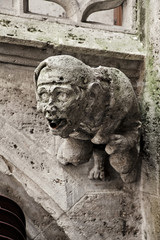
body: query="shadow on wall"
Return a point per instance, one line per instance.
(12, 220)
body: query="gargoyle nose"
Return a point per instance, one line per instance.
(50, 112)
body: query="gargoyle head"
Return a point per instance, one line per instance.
(62, 84)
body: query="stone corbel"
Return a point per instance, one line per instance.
(95, 110)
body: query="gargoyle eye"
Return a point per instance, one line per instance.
(62, 96)
(61, 78)
(44, 96)
(83, 79)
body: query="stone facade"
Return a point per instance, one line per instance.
(61, 202)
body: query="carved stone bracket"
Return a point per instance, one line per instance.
(95, 110)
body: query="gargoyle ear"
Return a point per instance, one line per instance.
(94, 97)
(38, 69)
(94, 90)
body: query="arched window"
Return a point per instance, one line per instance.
(46, 8)
(101, 13)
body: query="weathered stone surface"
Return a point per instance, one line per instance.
(41, 34)
(150, 34)
(107, 216)
(94, 108)
(151, 216)
(23, 127)
(22, 46)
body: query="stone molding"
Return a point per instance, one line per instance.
(26, 42)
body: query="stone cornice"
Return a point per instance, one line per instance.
(58, 38)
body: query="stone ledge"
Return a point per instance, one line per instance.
(59, 37)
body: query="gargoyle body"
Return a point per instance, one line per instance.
(96, 112)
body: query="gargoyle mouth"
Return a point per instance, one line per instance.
(57, 123)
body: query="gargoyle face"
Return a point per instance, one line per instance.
(61, 106)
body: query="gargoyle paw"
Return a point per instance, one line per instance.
(116, 143)
(96, 174)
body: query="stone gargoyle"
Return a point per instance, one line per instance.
(94, 110)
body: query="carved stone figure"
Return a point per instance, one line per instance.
(96, 112)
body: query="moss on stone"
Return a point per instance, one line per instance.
(153, 81)
(36, 33)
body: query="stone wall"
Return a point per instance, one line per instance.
(150, 34)
(61, 202)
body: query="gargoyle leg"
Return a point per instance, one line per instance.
(74, 151)
(124, 151)
(97, 172)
